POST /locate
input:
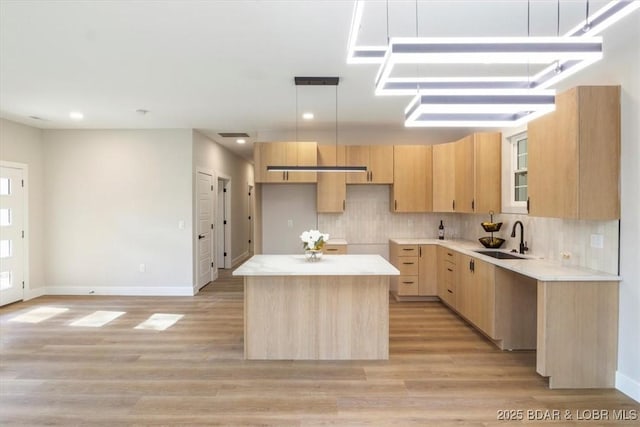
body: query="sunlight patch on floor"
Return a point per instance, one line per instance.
(98, 318)
(160, 321)
(39, 314)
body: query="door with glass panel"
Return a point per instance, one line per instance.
(11, 234)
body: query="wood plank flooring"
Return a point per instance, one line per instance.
(440, 372)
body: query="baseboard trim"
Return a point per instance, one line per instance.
(157, 291)
(34, 293)
(237, 260)
(628, 386)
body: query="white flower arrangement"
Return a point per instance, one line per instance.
(313, 240)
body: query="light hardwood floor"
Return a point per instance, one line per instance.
(440, 372)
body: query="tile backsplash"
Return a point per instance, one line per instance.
(367, 224)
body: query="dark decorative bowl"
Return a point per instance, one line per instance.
(491, 242)
(491, 227)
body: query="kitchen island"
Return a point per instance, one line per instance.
(336, 308)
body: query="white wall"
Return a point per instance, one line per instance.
(207, 154)
(287, 210)
(23, 144)
(113, 201)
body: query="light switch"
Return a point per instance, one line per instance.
(181, 224)
(290, 223)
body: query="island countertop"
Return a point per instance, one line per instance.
(328, 265)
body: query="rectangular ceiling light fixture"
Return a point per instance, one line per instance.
(487, 50)
(507, 109)
(605, 17)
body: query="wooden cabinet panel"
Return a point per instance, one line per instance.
(444, 177)
(332, 187)
(303, 154)
(418, 269)
(412, 179)
(488, 172)
(465, 181)
(334, 249)
(284, 154)
(381, 164)
(574, 156)
(357, 155)
(428, 271)
(447, 276)
(377, 158)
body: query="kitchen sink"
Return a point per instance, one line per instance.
(500, 255)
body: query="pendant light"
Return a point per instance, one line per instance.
(318, 81)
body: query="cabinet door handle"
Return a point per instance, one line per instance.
(407, 263)
(449, 254)
(472, 266)
(331, 249)
(528, 204)
(473, 204)
(450, 291)
(407, 283)
(395, 205)
(448, 269)
(420, 251)
(407, 249)
(453, 205)
(344, 205)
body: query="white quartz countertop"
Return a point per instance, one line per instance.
(537, 268)
(328, 265)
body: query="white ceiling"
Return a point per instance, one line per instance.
(228, 66)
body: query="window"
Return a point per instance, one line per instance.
(514, 173)
(519, 150)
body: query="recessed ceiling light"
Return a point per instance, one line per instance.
(241, 141)
(307, 116)
(76, 115)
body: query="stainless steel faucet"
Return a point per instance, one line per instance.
(523, 244)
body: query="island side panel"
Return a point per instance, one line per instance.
(577, 333)
(317, 317)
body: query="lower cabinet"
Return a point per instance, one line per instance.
(335, 249)
(418, 271)
(447, 279)
(475, 296)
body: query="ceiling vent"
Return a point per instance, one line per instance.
(234, 134)
(317, 81)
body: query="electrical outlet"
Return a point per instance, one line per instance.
(597, 241)
(290, 223)
(181, 224)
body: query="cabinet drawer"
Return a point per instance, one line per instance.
(335, 249)
(450, 256)
(408, 266)
(408, 285)
(407, 250)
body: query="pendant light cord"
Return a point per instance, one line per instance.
(297, 113)
(336, 125)
(388, 22)
(586, 18)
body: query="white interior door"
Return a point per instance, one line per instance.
(12, 213)
(223, 235)
(207, 270)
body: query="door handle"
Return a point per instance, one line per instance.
(201, 236)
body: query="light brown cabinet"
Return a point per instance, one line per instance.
(467, 174)
(335, 249)
(475, 296)
(284, 154)
(377, 158)
(447, 276)
(412, 179)
(574, 156)
(418, 270)
(332, 187)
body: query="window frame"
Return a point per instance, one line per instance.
(510, 161)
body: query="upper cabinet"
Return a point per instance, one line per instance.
(574, 156)
(412, 179)
(284, 154)
(377, 158)
(444, 178)
(467, 174)
(332, 187)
